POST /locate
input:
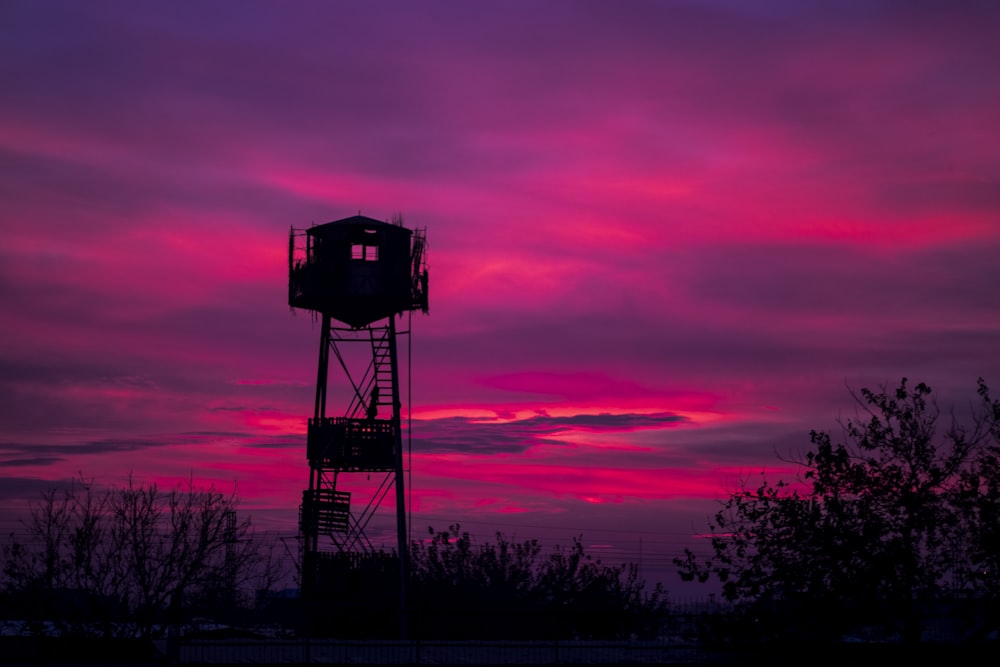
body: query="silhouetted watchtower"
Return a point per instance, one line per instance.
(360, 273)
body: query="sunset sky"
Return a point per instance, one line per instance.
(665, 239)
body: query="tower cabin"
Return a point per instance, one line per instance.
(357, 270)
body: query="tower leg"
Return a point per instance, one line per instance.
(319, 410)
(401, 529)
(310, 535)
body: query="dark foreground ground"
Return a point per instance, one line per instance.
(72, 652)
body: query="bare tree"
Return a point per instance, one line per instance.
(131, 560)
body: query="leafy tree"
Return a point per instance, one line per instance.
(903, 512)
(978, 502)
(128, 561)
(509, 589)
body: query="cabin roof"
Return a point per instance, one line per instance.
(354, 220)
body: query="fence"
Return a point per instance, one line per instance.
(395, 652)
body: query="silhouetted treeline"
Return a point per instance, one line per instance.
(505, 589)
(459, 588)
(136, 561)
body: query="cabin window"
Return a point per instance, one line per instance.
(365, 253)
